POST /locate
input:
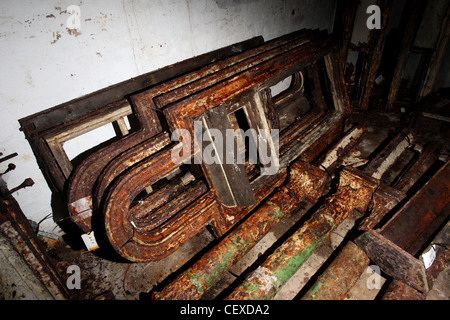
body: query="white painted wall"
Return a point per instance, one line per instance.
(43, 65)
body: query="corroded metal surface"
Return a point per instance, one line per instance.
(354, 193)
(386, 158)
(17, 229)
(333, 158)
(126, 160)
(384, 200)
(426, 159)
(305, 181)
(340, 276)
(81, 184)
(399, 290)
(393, 260)
(416, 221)
(267, 279)
(140, 233)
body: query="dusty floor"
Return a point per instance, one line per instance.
(103, 277)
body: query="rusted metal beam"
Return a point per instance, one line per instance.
(408, 230)
(416, 221)
(340, 276)
(386, 158)
(354, 193)
(343, 25)
(386, 198)
(333, 158)
(413, 14)
(393, 260)
(426, 159)
(398, 290)
(305, 181)
(376, 45)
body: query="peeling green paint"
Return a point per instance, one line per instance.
(288, 258)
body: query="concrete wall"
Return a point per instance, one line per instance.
(44, 64)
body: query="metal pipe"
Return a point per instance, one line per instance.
(385, 198)
(354, 193)
(305, 181)
(340, 276)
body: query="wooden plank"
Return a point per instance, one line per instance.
(77, 129)
(376, 45)
(413, 13)
(343, 26)
(427, 84)
(229, 179)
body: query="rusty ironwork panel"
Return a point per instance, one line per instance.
(101, 101)
(140, 245)
(179, 113)
(416, 221)
(82, 209)
(146, 102)
(354, 193)
(305, 181)
(81, 184)
(83, 179)
(340, 276)
(152, 230)
(242, 63)
(393, 260)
